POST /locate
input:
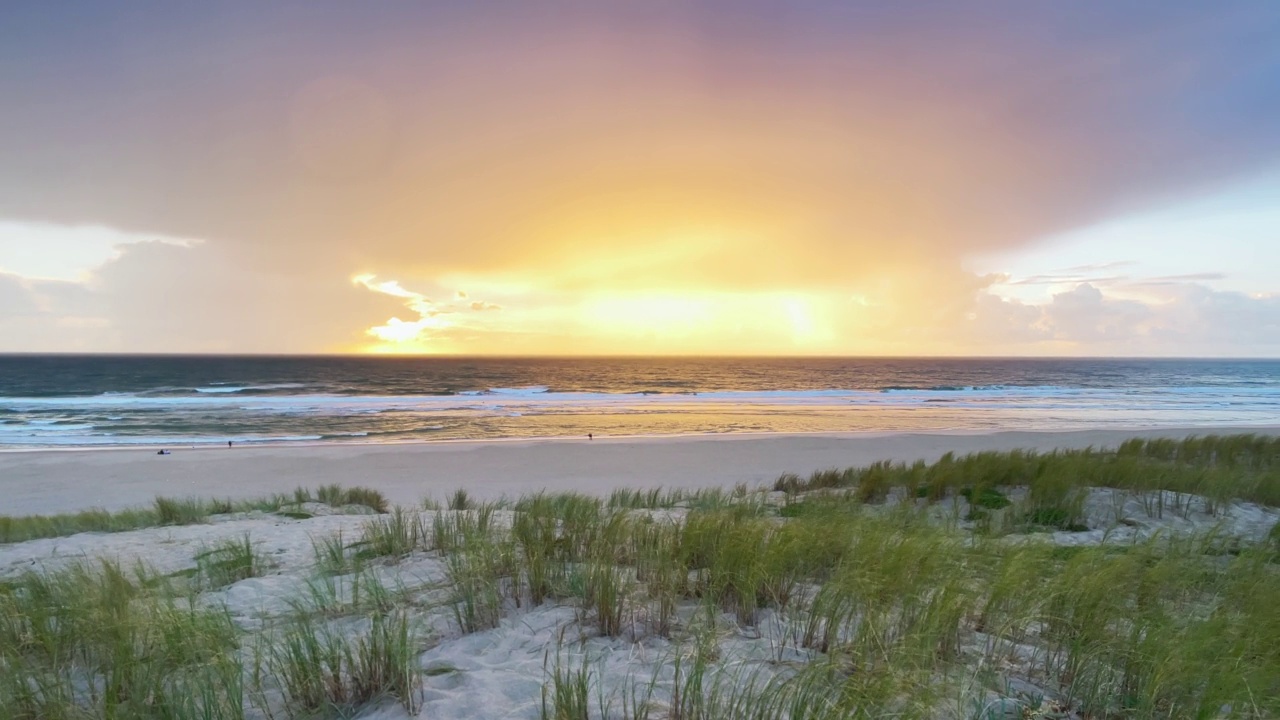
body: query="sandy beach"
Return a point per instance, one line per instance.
(57, 481)
(479, 643)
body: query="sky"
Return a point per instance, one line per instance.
(711, 178)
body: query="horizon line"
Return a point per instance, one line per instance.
(604, 356)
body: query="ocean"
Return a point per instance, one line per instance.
(71, 401)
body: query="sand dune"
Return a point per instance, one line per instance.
(1183, 550)
(500, 672)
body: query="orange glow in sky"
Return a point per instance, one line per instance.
(636, 178)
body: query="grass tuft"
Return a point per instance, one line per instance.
(171, 511)
(566, 695)
(333, 556)
(392, 536)
(320, 669)
(228, 562)
(460, 500)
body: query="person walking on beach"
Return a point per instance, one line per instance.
(228, 443)
(590, 436)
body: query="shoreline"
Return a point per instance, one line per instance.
(1183, 430)
(60, 481)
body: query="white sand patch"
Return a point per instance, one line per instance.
(1119, 516)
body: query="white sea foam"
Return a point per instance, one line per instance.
(1265, 395)
(224, 388)
(234, 412)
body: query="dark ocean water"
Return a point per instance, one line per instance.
(120, 400)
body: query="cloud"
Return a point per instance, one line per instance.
(159, 297)
(165, 298)
(16, 296)
(48, 315)
(1086, 275)
(789, 146)
(1067, 278)
(1095, 267)
(50, 251)
(1085, 316)
(433, 321)
(1183, 278)
(1185, 318)
(741, 163)
(964, 314)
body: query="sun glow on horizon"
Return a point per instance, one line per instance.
(538, 320)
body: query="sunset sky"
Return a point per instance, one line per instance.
(788, 178)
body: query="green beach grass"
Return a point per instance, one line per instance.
(926, 590)
(180, 511)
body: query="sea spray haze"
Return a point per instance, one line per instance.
(65, 400)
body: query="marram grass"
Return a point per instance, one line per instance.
(1217, 467)
(881, 609)
(145, 649)
(228, 562)
(175, 511)
(324, 672)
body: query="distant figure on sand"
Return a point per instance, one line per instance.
(590, 436)
(228, 443)
(163, 452)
